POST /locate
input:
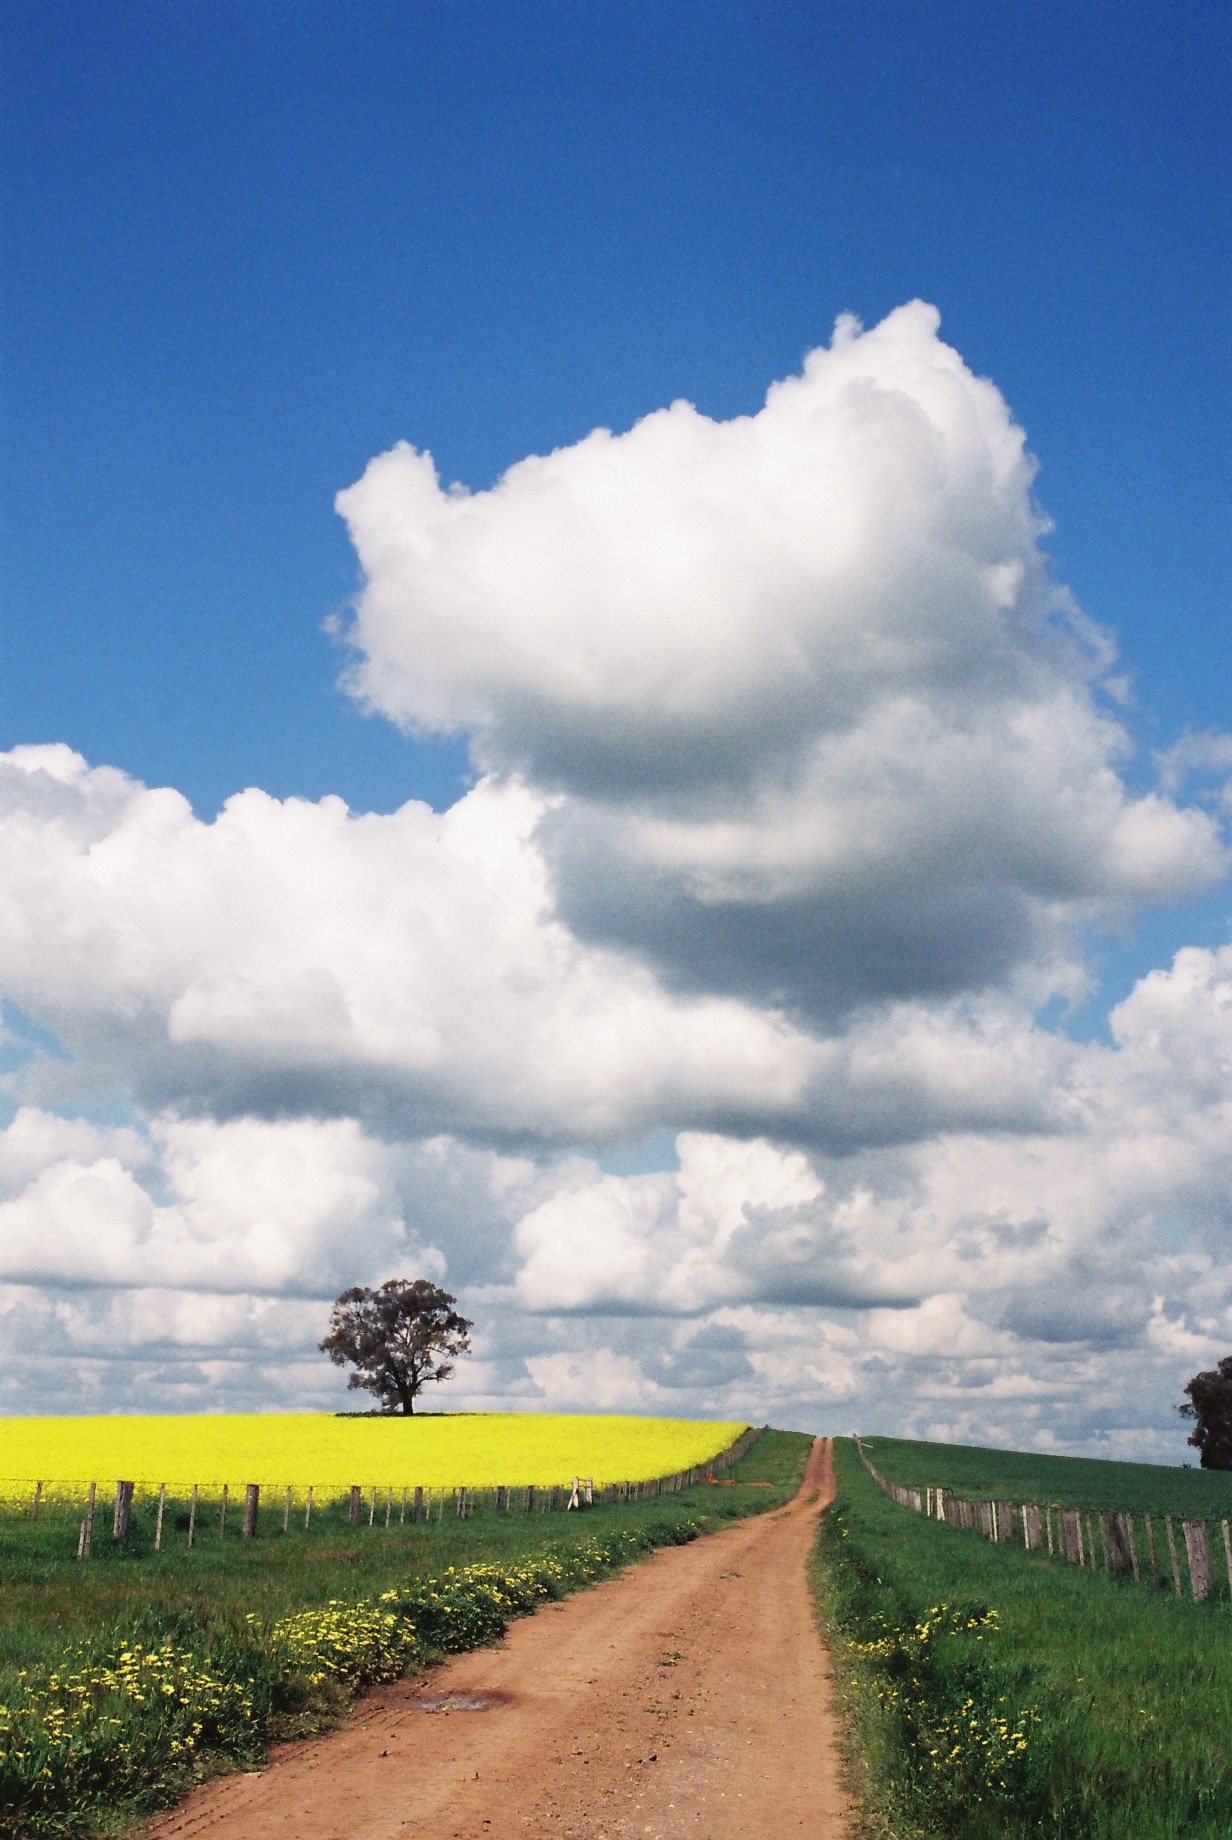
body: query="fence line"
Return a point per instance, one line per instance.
(1108, 1533)
(375, 1505)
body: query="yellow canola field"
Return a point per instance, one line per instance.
(329, 1454)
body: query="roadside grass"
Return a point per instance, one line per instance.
(125, 1679)
(994, 1696)
(1072, 1482)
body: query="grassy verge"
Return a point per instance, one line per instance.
(995, 1697)
(123, 1680)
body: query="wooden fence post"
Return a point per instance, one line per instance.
(1198, 1552)
(158, 1519)
(37, 1503)
(1227, 1553)
(122, 1518)
(353, 1505)
(460, 1504)
(1150, 1553)
(558, 1498)
(588, 1491)
(1118, 1544)
(222, 1511)
(417, 1505)
(389, 1505)
(252, 1503)
(87, 1525)
(530, 1498)
(1071, 1534)
(286, 1510)
(502, 1500)
(402, 1510)
(1176, 1570)
(573, 1494)
(1103, 1540)
(308, 1509)
(372, 1508)
(192, 1515)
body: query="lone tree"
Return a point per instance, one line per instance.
(1210, 1402)
(396, 1337)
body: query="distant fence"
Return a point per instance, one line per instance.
(1081, 1536)
(199, 1509)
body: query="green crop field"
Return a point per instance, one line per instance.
(123, 1678)
(1072, 1482)
(996, 1695)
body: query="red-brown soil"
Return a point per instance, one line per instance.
(688, 1695)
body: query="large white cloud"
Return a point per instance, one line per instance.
(826, 728)
(293, 957)
(637, 607)
(283, 1208)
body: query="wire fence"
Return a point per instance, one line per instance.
(1104, 1540)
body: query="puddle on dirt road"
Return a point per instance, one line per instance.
(461, 1702)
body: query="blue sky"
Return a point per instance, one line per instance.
(250, 248)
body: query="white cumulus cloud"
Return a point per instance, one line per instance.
(823, 723)
(295, 957)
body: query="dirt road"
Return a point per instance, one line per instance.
(690, 1695)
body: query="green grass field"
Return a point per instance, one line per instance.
(1072, 1482)
(996, 1696)
(250, 1640)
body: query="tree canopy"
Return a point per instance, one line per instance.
(397, 1338)
(1210, 1403)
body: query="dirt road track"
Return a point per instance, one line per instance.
(689, 1695)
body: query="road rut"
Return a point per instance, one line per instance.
(689, 1695)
